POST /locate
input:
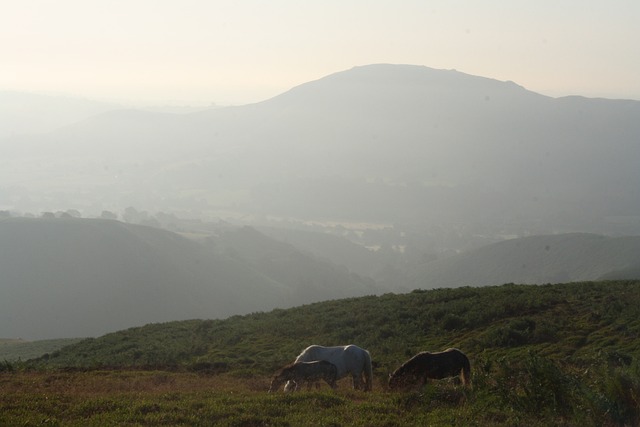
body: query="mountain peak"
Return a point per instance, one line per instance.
(388, 82)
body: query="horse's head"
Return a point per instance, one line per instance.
(400, 378)
(396, 380)
(275, 383)
(278, 380)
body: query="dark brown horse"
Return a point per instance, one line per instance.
(309, 372)
(449, 363)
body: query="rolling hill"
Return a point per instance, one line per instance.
(576, 323)
(85, 277)
(71, 277)
(559, 258)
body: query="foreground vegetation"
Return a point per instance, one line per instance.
(541, 355)
(534, 392)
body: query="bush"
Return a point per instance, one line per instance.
(619, 393)
(515, 333)
(6, 366)
(532, 384)
(451, 322)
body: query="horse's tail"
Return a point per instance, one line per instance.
(465, 374)
(368, 372)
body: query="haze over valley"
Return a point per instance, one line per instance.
(414, 144)
(380, 178)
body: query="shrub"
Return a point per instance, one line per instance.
(619, 393)
(515, 333)
(6, 366)
(452, 322)
(532, 384)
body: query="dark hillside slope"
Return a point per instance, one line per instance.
(337, 249)
(69, 278)
(535, 260)
(576, 323)
(308, 278)
(77, 277)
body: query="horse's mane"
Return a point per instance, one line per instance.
(285, 368)
(409, 364)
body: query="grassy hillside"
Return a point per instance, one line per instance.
(541, 355)
(574, 322)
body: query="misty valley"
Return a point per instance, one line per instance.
(397, 207)
(382, 178)
(65, 277)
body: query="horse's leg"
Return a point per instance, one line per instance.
(425, 381)
(357, 382)
(331, 382)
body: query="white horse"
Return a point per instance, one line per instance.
(348, 359)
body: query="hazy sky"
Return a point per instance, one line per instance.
(240, 51)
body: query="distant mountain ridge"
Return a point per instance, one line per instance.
(556, 258)
(382, 142)
(29, 113)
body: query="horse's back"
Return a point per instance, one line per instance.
(458, 354)
(318, 352)
(357, 355)
(346, 358)
(315, 352)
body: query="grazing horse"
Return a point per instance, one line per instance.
(348, 359)
(449, 363)
(301, 372)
